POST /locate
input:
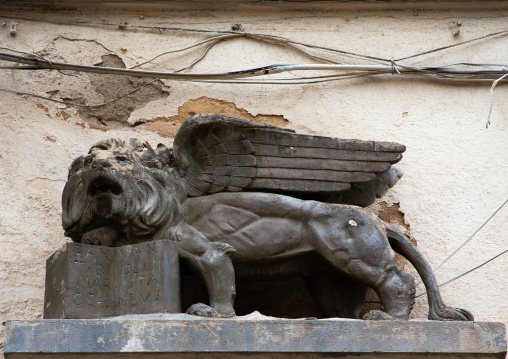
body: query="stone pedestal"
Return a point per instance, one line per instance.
(254, 336)
(85, 281)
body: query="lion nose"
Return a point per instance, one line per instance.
(101, 163)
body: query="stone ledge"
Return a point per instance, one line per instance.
(180, 335)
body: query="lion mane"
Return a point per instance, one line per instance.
(124, 186)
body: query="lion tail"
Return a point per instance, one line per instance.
(438, 310)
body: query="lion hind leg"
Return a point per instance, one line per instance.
(394, 287)
(369, 260)
(397, 293)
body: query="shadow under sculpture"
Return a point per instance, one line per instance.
(239, 192)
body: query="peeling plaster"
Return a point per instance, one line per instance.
(117, 95)
(168, 126)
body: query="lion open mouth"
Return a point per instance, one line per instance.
(104, 186)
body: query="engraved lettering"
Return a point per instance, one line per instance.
(81, 283)
(105, 255)
(115, 281)
(76, 299)
(95, 283)
(99, 270)
(106, 282)
(144, 299)
(122, 254)
(152, 279)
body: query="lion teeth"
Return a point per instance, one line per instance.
(102, 185)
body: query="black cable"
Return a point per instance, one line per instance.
(467, 272)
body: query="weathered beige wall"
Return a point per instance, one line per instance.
(456, 170)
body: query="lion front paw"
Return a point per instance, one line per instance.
(223, 248)
(204, 310)
(103, 236)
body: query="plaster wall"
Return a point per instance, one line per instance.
(456, 170)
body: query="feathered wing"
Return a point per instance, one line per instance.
(216, 153)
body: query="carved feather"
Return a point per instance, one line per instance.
(216, 153)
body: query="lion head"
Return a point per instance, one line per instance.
(125, 186)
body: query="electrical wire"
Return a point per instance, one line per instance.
(119, 26)
(492, 98)
(468, 271)
(123, 27)
(213, 39)
(264, 38)
(467, 240)
(502, 32)
(78, 104)
(205, 52)
(265, 70)
(441, 73)
(180, 29)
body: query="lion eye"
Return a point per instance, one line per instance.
(87, 160)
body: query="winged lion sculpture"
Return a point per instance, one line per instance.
(241, 195)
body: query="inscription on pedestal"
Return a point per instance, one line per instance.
(85, 281)
(139, 271)
(91, 283)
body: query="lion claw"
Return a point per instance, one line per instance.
(203, 310)
(223, 248)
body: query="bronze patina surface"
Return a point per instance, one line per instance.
(240, 194)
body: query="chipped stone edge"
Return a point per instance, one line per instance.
(254, 333)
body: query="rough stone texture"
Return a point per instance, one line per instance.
(455, 169)
(254, 334)
(85, 281)
(80, 282)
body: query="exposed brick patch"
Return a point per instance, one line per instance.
(168, 126)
